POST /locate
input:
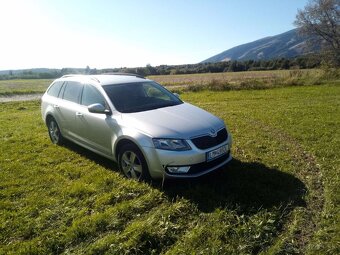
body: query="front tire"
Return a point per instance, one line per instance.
(54, 132)
(132, 163)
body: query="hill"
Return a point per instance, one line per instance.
(286, 45)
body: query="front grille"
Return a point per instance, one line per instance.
(205, 142)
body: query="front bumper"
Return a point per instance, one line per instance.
(203, 168)
(159, 160)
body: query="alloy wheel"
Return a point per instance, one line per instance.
(131, 165)
(54, 132)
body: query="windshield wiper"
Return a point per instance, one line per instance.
(140, 108)
(149, 107)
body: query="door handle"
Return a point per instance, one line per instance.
(79, 114)
(56, 106)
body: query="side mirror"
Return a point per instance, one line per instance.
(98, 108)
(177, 95)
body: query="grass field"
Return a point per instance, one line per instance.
(14, 87)
(205, 78)
(194, 82)
(240, 80)
(280, 194)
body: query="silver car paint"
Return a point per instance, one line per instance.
(181, 121)
(101, 133)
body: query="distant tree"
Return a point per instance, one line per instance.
(10, 72)
(232, 66)
(93, 71)
(64, 71)
(87, 70)
(141, 71)
(173, 72)
(320, 19)
(285, 64)
(150, 70)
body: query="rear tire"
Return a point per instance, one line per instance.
(54, 132)
(132, 163)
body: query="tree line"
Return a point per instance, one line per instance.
(230, 66)
(219, 67)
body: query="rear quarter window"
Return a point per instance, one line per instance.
(55, 88)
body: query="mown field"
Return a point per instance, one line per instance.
(280, 194)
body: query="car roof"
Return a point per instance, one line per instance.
(107, 79)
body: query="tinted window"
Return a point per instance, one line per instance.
(92, 96)
(141, 96)
(72, 91)
(157, 92)
(55, 88)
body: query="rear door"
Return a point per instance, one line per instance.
(69, 107)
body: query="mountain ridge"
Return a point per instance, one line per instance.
(285, 45)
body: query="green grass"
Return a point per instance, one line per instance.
(14, 87)
(278, 196)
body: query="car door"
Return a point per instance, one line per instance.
(68, 109)
(96, 130)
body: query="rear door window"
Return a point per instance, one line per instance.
(55, 88)
(72, 91)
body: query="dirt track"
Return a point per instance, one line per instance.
(23, 97)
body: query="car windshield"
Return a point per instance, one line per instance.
(140, 96)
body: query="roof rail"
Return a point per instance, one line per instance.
(71, 75)
(127, 74)
(75, 75)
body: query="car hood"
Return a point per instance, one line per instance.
(181, 121)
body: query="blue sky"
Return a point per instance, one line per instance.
(103, 33)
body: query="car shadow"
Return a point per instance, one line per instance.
(101, 160)
(242, 186)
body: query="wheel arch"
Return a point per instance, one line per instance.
(126, 141)
(49, 117)
(123, 142)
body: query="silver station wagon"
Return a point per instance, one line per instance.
(136, 122)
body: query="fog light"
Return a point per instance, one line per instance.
(178, 169)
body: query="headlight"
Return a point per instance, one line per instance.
(171, 144)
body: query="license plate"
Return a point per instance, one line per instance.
(217, 152)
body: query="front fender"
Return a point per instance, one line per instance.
(139, 139)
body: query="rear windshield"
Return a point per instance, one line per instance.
(141, 96)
